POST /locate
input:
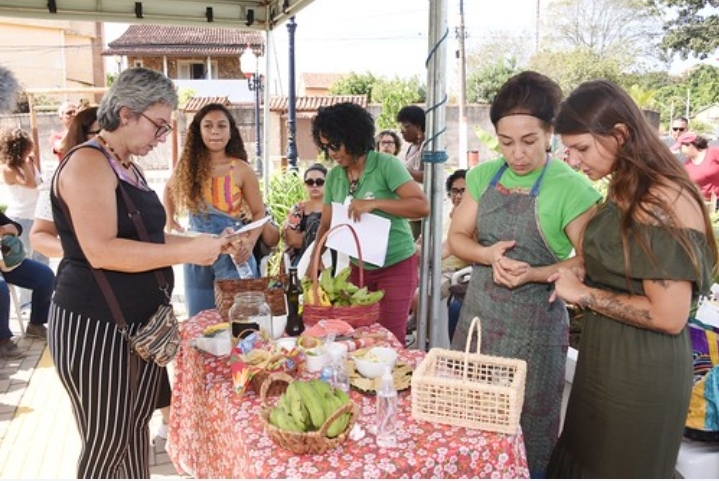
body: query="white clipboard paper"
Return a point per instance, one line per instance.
(372, 231)
(250, 226)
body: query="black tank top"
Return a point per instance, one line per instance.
(137, 293)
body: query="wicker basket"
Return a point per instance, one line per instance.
(469, 389)
(315, 442)
(273, 389)
(355, 316)
(226, 289)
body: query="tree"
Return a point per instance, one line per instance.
(692, 28)
(571, 67)
(625, 30)
(392, 94)
(483, 84)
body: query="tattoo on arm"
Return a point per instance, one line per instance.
(616, 307)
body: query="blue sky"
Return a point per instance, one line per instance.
(389, 37)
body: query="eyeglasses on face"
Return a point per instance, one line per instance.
(678, 129)
(386, 142)
(162, 129)
(313, 182)
(333, 146)
(454, 191)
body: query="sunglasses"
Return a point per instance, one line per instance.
(454, 191)
(162, 129)
(314, 182)
(333, 146)
(678, 129)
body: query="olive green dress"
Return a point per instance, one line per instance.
(630, 396)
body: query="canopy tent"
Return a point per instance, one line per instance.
(266, 15)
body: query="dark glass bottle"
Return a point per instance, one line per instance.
(295, 326)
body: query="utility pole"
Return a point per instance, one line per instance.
(462, 90)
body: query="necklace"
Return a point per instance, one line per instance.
(125, 163)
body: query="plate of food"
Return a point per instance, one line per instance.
(402, 374)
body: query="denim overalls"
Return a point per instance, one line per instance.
(199, 280)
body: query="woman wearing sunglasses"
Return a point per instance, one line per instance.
(377, 183)
(303, 220)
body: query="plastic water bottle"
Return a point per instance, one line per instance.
(386, 422)
(244, 271)
(342, 377)
(328, 375)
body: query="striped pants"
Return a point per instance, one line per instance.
(112, 410)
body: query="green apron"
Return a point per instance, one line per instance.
(520, 323)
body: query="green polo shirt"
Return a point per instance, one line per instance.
(382, 175)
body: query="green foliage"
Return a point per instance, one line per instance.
(392, 94)
(488, 139)
(643, 97)
(572, 67)
(285, 190)
(110, 79)
(355, 84)
(702, 84)
(692, 27)
(483, 83)
(184, 95)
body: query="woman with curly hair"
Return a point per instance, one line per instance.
(388, 142)
(378, 183)
(219, 189)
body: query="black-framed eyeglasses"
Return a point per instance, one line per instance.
(386, 142)
(162, 129)
(678, 129)
(333, 146)
(454, 191)
(314, 182)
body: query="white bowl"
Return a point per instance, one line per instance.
(316, 359)
(373, 363)
(338, 352)
(287, 343)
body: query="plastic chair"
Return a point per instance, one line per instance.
(16, 307)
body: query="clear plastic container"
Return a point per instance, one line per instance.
(244, 271)
(249, 312)
(386, 421)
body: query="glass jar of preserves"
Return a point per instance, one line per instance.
(249, 313)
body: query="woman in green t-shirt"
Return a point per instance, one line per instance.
(380, 184)
(518, 221)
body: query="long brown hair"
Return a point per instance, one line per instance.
(195, 167)
(643, 163)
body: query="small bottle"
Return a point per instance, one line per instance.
(294, 326)
(342, 377)
(244, 271)
(328, 375)
(386, 422)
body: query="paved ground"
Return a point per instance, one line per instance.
(38, 436)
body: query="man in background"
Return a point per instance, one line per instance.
(66, 111)
(412, 123)
(679, 126)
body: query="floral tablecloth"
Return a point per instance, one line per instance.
(216, 434)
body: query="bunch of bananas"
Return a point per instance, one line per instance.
(337, 291)
(306, 405)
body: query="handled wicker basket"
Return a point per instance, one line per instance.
(470, 390)
(355, 316)
(314, 442)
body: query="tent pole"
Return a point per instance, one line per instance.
(428, 320)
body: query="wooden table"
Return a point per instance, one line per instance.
(214, 433)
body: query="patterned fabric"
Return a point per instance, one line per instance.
(520, 323)
(215, 434)
(224, 194)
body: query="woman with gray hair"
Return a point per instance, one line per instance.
(112, 391)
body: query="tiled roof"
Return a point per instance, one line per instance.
(320, 80)
(196, 103)
(313, 103)
(184, 40)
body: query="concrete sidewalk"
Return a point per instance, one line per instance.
(38, 435)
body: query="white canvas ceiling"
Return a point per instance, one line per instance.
(253, 14)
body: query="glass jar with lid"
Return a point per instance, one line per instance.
(249, 313)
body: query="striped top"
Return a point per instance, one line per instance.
(223, 194)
